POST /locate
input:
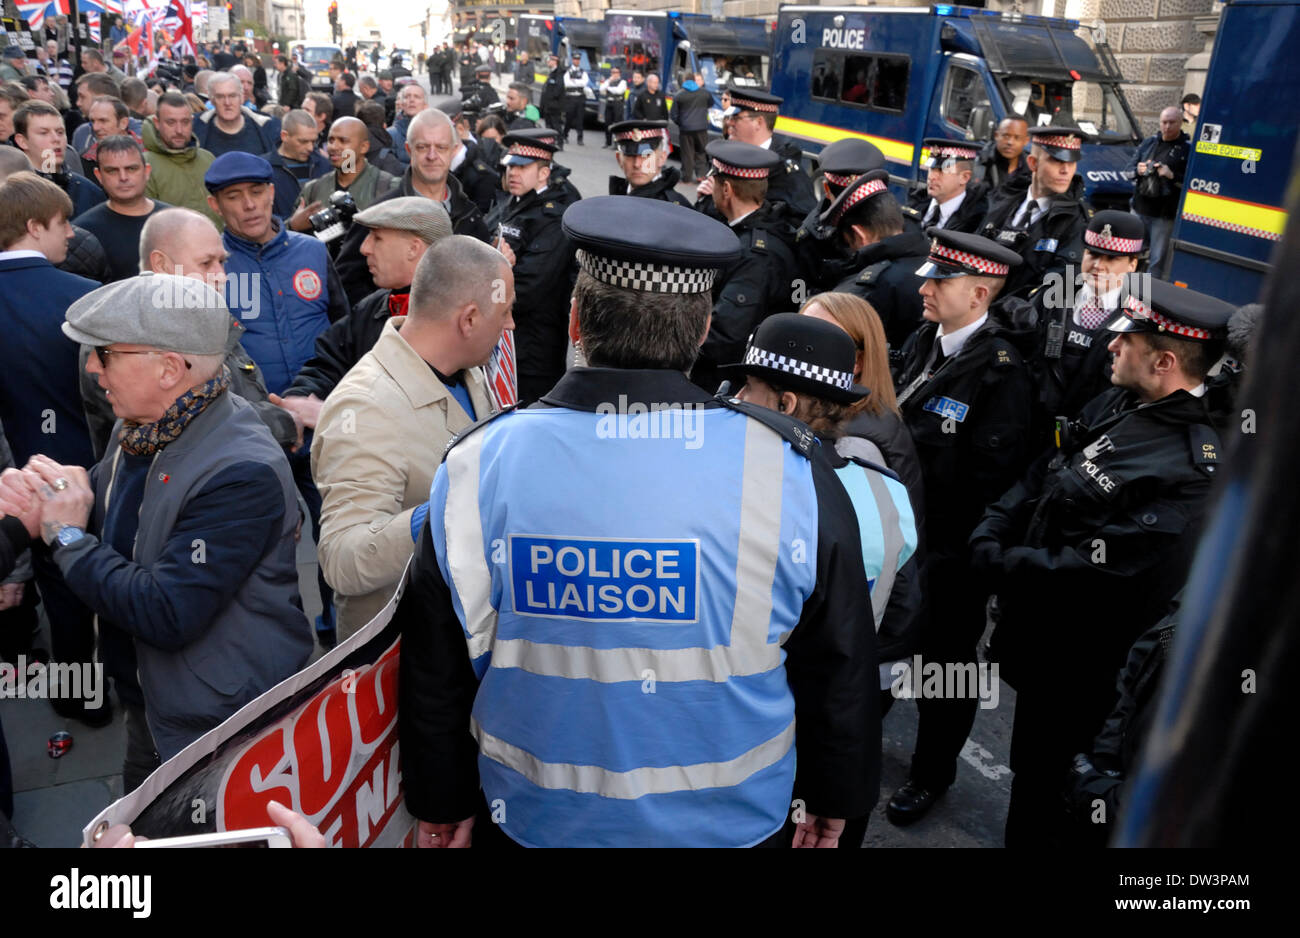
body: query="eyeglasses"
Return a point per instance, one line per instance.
(103, 353)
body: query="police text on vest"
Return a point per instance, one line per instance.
(605, 580)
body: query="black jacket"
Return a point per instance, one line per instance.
(745, 293)
(789, 183)
(477, 177)
(382, 153)
(1048, 246)
(991, 168)
(691, 110)
(292, 89)
(831, 664)
(565, 192)
(1099, 536)
(345, 103)
(466, 219)
(663, 188)
(650, 107)
(341, 346)
(552, 98)
(968, 217)
(884, 274)
(481, 90)
(86, 257)
(970, 424)
(544, 275)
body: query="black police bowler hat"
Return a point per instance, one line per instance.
(1157, 306)
(1115, 234)
(1063, 143)
(805, 354)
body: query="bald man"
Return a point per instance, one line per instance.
(346, 147)
(1162, 160)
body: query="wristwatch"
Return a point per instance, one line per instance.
(68, 534)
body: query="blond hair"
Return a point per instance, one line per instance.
(860, 320)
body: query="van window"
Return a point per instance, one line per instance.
(878, 82)
(1091, 105)
(963, 92)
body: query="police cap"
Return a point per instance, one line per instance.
(1063, 143)
(803, 354)
(162, 311)
(945, 153)
(1156, 306)
(958, 254)
(751, 99)
(1115, 234)
(861, 188)
(523, 147)
(637, 138)
(236, 166)
(450, 105)
(649, 245)
(846, 160)
(741, 160)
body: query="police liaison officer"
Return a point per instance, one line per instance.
(1041, 216)
(965, 395)
(526, 228)
(1097, 538)
(628, 672)
(641, 150)
(950, 199)
(760, 282)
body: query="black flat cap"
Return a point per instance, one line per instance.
(751, 99)
(866, 186)
(845, 160)
(522, 148)
(1115, 234)
(1158, 306)
(741, 160)
(957, 254)
(945, 152)
(636, 138)
(1063, 143)
(649, 245)
(803, 354)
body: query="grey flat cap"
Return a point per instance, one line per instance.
(422, 217)
(162, 311)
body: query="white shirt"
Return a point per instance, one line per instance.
(952, 342)
(945, 209)
(459, 158)
(1085, 296)
(734, 222)
(1040, 204)
(24, 252)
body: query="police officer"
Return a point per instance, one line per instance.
(760, 282)
(822, 263)
(560, 187)
(1042, 217)
(950, 200)
(469, 63)
(752, 119)
(552, 103)
(965, 395)
(1066, 317)
(575, 99)
(881, 253)
(1098, 537)
(647, 655)
(641, 149)
(526, 228)
(479, 94)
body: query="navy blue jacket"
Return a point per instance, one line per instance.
(286, 183)
(298, 294)
(40, 391)
(83, 193)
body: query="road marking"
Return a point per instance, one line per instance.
(982, 760)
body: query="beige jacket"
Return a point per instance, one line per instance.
(379, 440)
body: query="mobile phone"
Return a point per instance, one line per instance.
(251, 837)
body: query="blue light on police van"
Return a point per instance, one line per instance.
(942, 9)
(674, 14)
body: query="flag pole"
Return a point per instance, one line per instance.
(74, 26)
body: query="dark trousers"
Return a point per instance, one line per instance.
(6, 778)
(72, 630)
(957, 603)
(694, 163)
(613, 114)
(575, 110)
(18, 626)
(141, 753)
(300, 463)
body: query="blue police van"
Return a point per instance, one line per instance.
(1232, 212)
(585, 38)
(895, 75)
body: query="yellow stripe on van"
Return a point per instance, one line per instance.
(896, 150)
(1260, 221)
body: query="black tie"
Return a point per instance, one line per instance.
(938, 358)
(932, 216)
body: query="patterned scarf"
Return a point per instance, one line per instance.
(145, 439)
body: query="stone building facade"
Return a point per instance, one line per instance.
(1153, 40)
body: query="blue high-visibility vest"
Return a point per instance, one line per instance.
(886, 525)
(624, 605)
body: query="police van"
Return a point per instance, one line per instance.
(1232, 212)
(574, 35)
(895, 75)
(535, 35)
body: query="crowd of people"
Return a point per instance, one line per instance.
(228, 319)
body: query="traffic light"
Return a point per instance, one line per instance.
(334, 13)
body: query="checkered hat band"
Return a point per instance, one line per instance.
(865, 191)
(793, 366)
(836, 180)
(1123, 245)
(957, 153)
(951, 256)
(649, 278)
(728, 170)
(1064, 143)
(537, 153)
(1141, 311)
(749, 105)
(650, 134)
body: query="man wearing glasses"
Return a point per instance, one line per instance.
(182, 539)
(230, 126)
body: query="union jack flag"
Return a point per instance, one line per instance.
(35, 11)
(103, 6)
(179, 21)
(92, 27)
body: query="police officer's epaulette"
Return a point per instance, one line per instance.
(758, 240)
(553, 208)
(793, 431)
(911, 213)
(852, 447)
(868, 464)
(1004, 354)
(1203, 440)
(474, 426)
(871, 273)
(481, 166)
(792, 167)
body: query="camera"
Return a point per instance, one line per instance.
(335, 218)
